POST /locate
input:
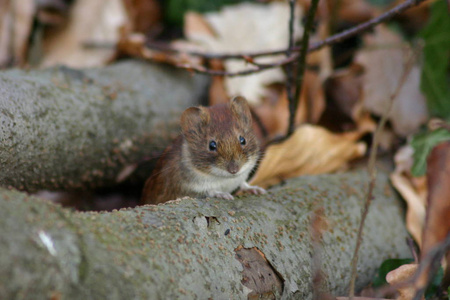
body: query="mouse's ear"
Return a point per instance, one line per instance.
(241, 109)
(194, 118)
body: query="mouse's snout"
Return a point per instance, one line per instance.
(233, 167)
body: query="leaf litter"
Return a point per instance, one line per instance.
(357, 91)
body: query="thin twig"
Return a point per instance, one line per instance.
(301, 63)
(336, 38)
(290, 67)
(371, 169)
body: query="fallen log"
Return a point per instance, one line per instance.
(63, 129)
(199, 248)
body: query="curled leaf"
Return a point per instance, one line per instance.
(310, 150)
(401, 275)
(412, 189)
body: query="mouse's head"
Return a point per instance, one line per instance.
(220, 139)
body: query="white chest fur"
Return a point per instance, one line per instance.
(217, 180)
(203, 183)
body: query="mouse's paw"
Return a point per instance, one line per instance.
(253, 189)
(217, 194)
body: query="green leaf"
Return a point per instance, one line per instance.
(435, 80)
(381, 2)
(387, 266)
(392, 264)
(433, 287)
(423, 143)
(175, 9)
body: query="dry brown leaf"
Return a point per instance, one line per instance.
(384, 60)
(246, 27)
(344, 88)
(354, 11)
(412, 189)
(437, 223)
(310, 150)
(401, 275)
(52, 12)
(144, 15)
(343, 91)
(90, 21)
(16, 20)
(197, 28)
(275, 116)
(415, 18)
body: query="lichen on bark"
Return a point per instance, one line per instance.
(187, 248)
(65, 129)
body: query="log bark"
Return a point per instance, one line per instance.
(198, 248)
(62, 128)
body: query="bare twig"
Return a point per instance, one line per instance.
(336, 38)
(371, 169)
(301, 63)
(290, 67)
(412, 247)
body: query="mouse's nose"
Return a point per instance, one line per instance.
(233, 167)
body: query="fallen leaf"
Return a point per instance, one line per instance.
(90, 21)
(16, 20)
(310, 150)
(343, 90)
(52, 12)
(399, 276)
(437, 223)
(414, 18)
(355, 11)
(275, 116)
(197, 28)
(423, 143)
(383, 59)
(242, 28)
(413, 191)
(436, 60)
(144, 15)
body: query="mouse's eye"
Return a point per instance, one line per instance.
(242, 141)
(212, 146)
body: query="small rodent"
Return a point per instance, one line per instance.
(212, 157)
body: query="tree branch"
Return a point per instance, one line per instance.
(301, 64)
(336, 38)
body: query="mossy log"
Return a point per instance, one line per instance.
(199, 248)
(62, 128)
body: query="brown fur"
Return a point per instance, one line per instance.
(223, 123)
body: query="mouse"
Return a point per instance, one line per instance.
(212, 157)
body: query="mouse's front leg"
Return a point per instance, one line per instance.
(218, 194)
(252, 189)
